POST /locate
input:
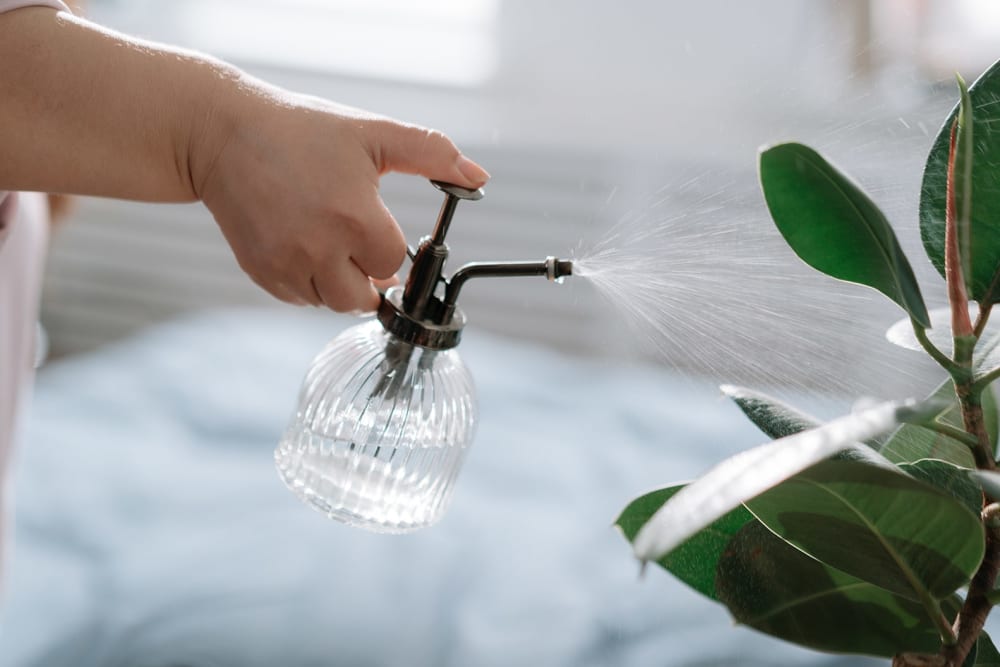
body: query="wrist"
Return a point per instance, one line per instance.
(218, 99)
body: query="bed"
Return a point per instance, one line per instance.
(152, 530)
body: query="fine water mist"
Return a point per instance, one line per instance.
(707, 285)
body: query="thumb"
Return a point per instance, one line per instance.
(412, 149)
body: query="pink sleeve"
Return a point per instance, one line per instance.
(8, 5)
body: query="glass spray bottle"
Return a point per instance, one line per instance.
(387, 410)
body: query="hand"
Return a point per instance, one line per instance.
(293, 183)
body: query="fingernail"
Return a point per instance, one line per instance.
(471, 170)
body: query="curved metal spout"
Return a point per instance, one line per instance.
(418, 314)
(551, 268)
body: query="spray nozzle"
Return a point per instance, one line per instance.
(419, 313)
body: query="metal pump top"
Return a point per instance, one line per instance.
(416, 313)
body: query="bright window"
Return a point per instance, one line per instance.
(444, 42)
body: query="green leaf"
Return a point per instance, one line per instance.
(911, 443)
(991, 417)
(951, 479)
(834, 227)
(986, 652)
(741, 477)
(775, 588)
(775, 418)
(694, 561)
(877, 524)
(984, 281)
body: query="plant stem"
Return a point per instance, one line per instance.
(952, 432)
(943, 360)
(972, 417)
(949, 637)
(957, 263)
(984, 381)
(977, 604)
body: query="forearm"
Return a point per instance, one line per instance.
(88, 111)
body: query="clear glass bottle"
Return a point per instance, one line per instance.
(387, 410)
(381, 431)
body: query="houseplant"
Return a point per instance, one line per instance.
(887, 520)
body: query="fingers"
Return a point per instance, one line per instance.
(417, 150)
(380, 247)
(346, 288)
(342, 275)
(385, 283)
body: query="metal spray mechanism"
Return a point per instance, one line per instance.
(388, 409)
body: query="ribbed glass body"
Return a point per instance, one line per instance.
(381, 431)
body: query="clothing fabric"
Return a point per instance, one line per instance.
(23, 240)
(24, 217)
(8, 5)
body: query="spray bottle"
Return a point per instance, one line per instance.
(387, 410)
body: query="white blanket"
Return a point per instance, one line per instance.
(152, 529)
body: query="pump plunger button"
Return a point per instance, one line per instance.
(459, 191)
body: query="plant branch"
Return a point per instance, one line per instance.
(948, 633)
(984, 381)
(972, 417)
(943, 359)
(977, 604)
(958, 269)
(952, 432)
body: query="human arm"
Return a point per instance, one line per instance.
(292, 180)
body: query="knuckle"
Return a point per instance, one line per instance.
(440, 140)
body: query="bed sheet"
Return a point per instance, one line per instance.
(152, 530)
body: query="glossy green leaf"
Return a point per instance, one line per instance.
(984, 282)
(911, 443)
(986, 652)
(775, 588)
(741, 477)
(694, 561)
(991, 415)
(951, 479)
(876, 524)
(833, 225)
(775, 418)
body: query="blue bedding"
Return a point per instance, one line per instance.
(152, 529)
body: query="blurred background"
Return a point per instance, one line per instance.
(147, 492)
(586, 113)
